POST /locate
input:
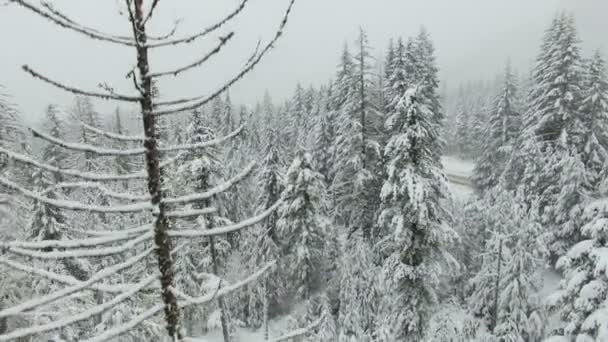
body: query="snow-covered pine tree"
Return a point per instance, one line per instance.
(302, 228)
(267, 298)
(355, 185)
(358, 297)
(501, 133)
(595, 110)
(386, 91)
(412, 215)
(324, 137)
(581, 300)
(519, 315)
(427, 79)
(554, 132)
(463, 125)
(199, 171)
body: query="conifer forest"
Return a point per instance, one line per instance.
(384, 198)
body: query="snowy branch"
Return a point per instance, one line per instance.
(213, 191)
(67, 172)
(190, 233)
(203, 144)
(60, 278)
(121, 329)
(103, 190)
(114, 237)
(203, 33)
(71, 25)
(248, 68)
(111, 96)
(88, 314)
(131, 231)
(190, 213)
(223, 41)
(57, 295)
(225, 290)
(84, 253)
(76, 206)
(141, 318)
(100, 151)
(113, 135)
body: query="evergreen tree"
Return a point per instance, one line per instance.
(463, 125)
(427, 79)
(581, 300)
(554, 132)
(324, 135)
(595, 110)
(302, 227)
(411, 215)
(501, 133)
(200, 171)
(269, 295)
(357, 152)
(357, 292)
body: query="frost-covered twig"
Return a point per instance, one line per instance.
(250, 66)
(76, 206)
(103, 190)
(223, 41)
(113, 136)
(71, 25)
(203, 144)
(84, 253)
(57, 295)
(62, 279)
(88, 314)
(112, 237)
(190, 213)
(21, 158)
(100, 151)
(191, 233)
(131, 152)
(213, 191)
(77, 91)
(203, 33)
(130, 231)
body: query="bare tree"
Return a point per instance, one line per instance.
(126, 250)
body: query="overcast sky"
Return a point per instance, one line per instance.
(473, 38)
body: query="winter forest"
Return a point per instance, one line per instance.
(379, 206)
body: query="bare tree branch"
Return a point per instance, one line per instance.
(77, 91)
(114, 136)
(204, 32)
(223, 41)
(76, 206)
(72, 173)
(255, 61)
(192, 233)
(72, 26)
(213, 191)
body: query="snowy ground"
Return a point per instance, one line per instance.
(458, 172)
(276, 328)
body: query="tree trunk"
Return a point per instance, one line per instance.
(161, 237)
(220, 300)
(496, 288)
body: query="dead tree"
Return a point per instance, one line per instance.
(131, 247)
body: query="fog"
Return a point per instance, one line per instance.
(473, 38)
